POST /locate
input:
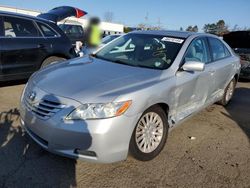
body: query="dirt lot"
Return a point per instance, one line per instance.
(218, 157)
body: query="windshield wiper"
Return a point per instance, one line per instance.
(145, 66)
(120, 62)
(112, 60)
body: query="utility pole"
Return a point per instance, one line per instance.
(159, 23)
(146, 18)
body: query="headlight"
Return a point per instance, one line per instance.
(24, 89)
(99, 110)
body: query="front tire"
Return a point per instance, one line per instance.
(150, 134)
(51, 60)
(228, 93)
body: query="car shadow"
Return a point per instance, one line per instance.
(239, 109)
(24, 163)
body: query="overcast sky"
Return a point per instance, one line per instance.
(171, 14)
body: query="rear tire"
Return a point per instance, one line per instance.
(228, 93)
(150, 134)
(52, 60)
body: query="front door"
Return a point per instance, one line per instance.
(192, 88)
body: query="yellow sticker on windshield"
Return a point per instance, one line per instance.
(175, 40)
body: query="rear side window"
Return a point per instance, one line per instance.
(17, 27)
(218, 49)
(47, 31)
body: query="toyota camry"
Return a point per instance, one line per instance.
(124, 98)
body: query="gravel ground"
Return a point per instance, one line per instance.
(219, 156)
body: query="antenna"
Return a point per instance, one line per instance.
(146, 17)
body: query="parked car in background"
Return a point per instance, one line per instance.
(74, 32)
(240, 42)
(128, 95)
(86, 51)
(28, 43)
(109, 38)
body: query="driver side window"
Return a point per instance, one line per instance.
(198, 51)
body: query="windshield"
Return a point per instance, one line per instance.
(109, 38)
(142, 50)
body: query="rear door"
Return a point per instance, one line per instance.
(22, 46)
(221, 67)
(193, 89)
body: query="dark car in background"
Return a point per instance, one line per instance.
(239, 41)
(109, 38)
(74, 32)
(28, 43)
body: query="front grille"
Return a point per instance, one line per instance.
(43, 109)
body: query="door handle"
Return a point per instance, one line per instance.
(40, 46)
(211, 71)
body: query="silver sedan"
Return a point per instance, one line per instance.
(128, 95)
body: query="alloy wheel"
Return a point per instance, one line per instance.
(149, 132)
(230, 91)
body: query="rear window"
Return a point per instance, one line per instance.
(17, 27)
(72, 30)
(47, 31)
(218, 49)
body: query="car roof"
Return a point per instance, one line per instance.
(4, 13)
(179, 34)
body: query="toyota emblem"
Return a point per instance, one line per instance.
(32, 96)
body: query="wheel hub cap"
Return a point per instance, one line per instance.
(149, 132)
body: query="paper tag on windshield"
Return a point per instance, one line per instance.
(175, 40)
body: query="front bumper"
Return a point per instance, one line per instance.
(102, 141)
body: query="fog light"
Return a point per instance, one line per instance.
(84, 152)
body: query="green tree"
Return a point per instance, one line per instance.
(220, 28)
(195, 28)
(189, 28)
(210, 28)
(192, 28)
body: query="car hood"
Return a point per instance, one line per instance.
(93, 80)
(60, 13)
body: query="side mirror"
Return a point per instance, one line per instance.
(193, 66)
